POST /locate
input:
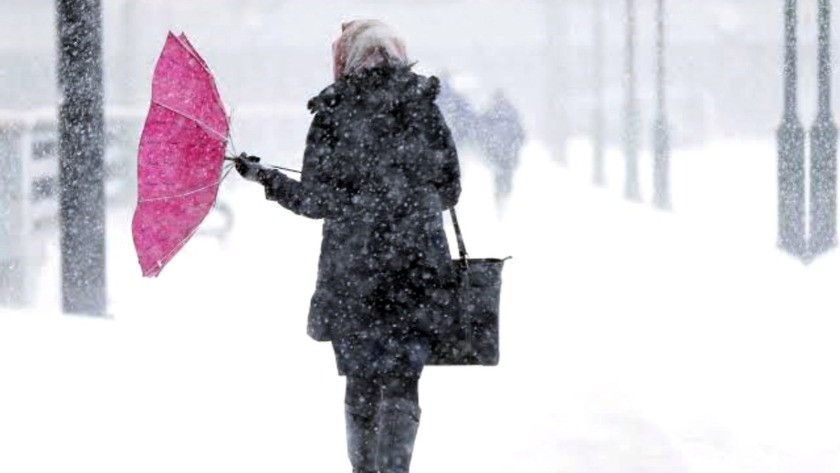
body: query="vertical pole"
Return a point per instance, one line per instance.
(557, 81)
(823, 165)
(631, 109)
(661, 142)
(598, 125)
(13, 288)
(81, 143)
(130, 34)
(791, 151)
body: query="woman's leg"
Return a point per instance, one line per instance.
(399, 418)
(361, 406)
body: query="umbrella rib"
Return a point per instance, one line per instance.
(183, 242)
(203, 125)
(177, 247)
(162, 261)
(176, 196)
(192, 52)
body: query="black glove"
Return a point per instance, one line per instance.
(249, 167)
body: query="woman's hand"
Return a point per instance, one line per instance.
(249, 167)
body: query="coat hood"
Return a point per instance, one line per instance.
(364, 44)
(386, 87)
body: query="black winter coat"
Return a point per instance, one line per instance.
(379, 167)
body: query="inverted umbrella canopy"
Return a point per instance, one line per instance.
(179, 163)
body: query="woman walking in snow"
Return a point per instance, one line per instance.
(379, 167)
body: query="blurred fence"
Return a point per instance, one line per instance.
(29, 178)
(29, 190)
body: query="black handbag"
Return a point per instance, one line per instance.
(468, 332)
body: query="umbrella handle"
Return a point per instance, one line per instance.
(256, 160)
(253, 159)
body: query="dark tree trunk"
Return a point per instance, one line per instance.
(81, 123)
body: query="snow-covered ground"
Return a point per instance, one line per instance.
(632, 340)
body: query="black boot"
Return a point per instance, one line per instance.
(361, 437)
(398, 422)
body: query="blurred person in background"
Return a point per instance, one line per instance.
(379, 167)
(501, 139)
(458, 112)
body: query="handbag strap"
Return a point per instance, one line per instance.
(466, 320)
(462, 248)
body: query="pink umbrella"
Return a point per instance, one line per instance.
(182, 149)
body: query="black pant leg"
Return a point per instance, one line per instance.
(399, 418)
(361, 407)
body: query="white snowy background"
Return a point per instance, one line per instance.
(632, 340)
